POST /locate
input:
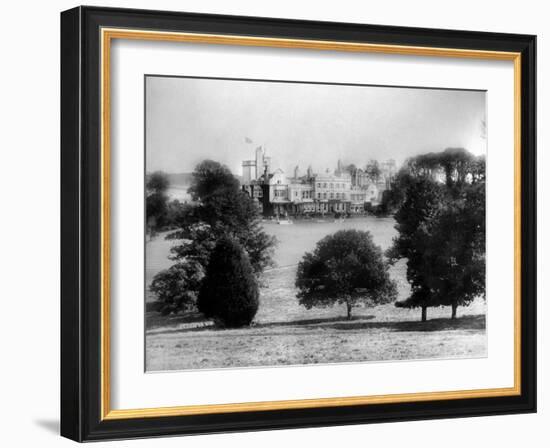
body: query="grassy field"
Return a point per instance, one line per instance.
(285, 333)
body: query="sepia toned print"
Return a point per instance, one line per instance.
(303, 223)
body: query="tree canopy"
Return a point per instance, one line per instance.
(454, 166)
(176, 287)
(223, 209)
(210, 178)
(156, 200)
(346, 268)
(372, 169)
(157, 182)
(457, 249)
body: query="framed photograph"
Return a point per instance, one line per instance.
(272, 223)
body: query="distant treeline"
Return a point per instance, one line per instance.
(177, 178)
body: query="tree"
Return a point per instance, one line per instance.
(477, 170)
(393, 197)
(157, 182)
(229, 292)
(457, 249)
(209, 178)
(426, 166)
(176, 287)
(441, 225)
(223, 209)
(351, 168)
(177, 213)
(346, 268)
(156, 200)
(372, 169)
(422, 203)
(197, 242)
(456, 164)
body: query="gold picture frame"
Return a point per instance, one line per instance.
(108, 30)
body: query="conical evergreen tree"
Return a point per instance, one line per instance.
(229, 292)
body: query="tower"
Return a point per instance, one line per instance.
(249, 169)
(259, 162)
(267, 163)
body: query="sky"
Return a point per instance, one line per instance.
(189, 120)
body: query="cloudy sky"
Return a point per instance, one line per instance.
(188, 120)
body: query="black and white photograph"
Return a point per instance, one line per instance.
(292, 223)
(282, 220)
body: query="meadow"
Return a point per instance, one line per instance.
(285, 333)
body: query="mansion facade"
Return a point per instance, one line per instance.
(333, 191)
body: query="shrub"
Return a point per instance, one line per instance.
(176, 287)
(229, 292)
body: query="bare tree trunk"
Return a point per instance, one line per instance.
(424, 313)
(453, 314)
(348, 307)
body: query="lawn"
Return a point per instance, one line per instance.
(285, 333)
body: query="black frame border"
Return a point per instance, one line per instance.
(81, 223)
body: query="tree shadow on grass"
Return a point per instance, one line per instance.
(207, 325)
(358, 323)
(153, 319)
(315, 322)
(471, 322)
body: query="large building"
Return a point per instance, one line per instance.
(337, 192)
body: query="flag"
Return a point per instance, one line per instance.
(247, 140)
